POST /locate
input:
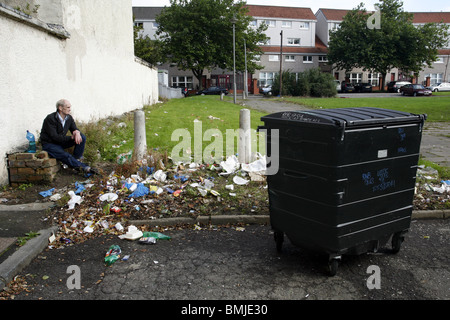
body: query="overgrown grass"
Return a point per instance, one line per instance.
(436, 108)
(111, 137)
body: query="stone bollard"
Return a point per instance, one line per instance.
(140, 137)
(245, 145)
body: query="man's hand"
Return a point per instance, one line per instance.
(77, 137)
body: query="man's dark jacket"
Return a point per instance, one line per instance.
(53, 132)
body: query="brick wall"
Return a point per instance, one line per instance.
(31, 168)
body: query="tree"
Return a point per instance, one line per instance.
(198, 35)
(145, 48)
(397, 43)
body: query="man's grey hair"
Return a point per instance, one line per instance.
(60, 103)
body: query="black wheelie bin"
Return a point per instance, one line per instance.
(345, 180)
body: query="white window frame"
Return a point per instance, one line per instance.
(307, 59)
(289, 58)
(435, 77)
(374, 79)
(155, 25)
(266, 78)
(304, 25)
(182, 82)
(323, 58)
(271, 23)
(292, 41)
(274, 57)
(355, 77)
(286, 24)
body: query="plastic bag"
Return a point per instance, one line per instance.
(113, 254)
(140, 191)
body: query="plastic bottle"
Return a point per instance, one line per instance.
(31, 143)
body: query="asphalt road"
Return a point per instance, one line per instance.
(228, 264)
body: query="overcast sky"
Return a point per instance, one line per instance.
(408, 5)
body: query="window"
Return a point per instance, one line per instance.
(304, 25)
(182, 82)
(439, 60)
(286, 24)
(323, 59)
(307, 59)
(435, 77)
(293, 41)
(270, 23)
(254, 23)
(354, 77)
(155, 25)
(274, 57)
(266, 78)
(289, 58)
(139, 24)
(374, 78)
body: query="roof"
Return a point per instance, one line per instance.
(146, 13)
(334, 14)
(281, 12)
(419, 17)
(426, 17)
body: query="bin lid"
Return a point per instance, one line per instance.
(346, 116)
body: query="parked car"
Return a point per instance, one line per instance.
(394, 86)
(444, 86)
(266, 90)
(347, 87)
(338, 85)
(415, 90)
(213, 90)
(363, 87)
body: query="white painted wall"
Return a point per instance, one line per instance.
(95, 69)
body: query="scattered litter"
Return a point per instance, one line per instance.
(118, 226)
(147, 240)
(125, 258)
(132, 234)
(79, 188)
(160, 176)
(156, 235)
(108, 197)
(113, 254)
(47, 193)
(239, 180)
(74, 199)
(56, 197)
(240, 229)
(140, 191)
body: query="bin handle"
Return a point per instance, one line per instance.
(295, 175)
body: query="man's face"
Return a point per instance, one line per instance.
(65, 110)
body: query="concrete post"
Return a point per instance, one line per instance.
(245, 146)
(140, 138)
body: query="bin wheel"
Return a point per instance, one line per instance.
(279, 238)
(333, 265)
(397, 240)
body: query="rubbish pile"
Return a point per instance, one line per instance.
(104, 205)
(431, 193)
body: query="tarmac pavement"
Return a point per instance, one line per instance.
(17, 220)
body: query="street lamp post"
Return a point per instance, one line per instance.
(233, 21)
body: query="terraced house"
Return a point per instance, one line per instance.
(298, 40)
(330, 19)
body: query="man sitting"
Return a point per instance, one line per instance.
(54, 138)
